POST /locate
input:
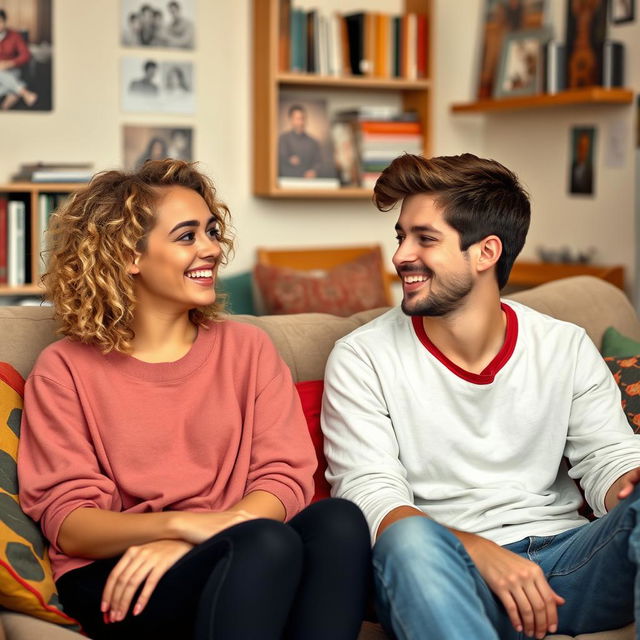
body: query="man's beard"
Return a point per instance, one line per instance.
(450, 297)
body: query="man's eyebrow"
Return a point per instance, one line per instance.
(420, 228)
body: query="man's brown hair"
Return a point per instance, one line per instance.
(478, 198)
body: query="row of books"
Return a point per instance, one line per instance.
(16, 232)
(363, 43)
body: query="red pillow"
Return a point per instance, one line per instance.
(310, 393)
(342, 291)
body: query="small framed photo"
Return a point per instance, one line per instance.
(623, 11)
(158, 23)
(142, 143)
(520, 70)
(582, 171)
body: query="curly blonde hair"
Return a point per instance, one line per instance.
(92, 240)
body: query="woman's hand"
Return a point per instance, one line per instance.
(198, 527)
(144, 563)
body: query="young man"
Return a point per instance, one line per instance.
(448, 421)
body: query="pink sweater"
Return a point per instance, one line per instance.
(198, 434)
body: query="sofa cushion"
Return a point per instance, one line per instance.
(615, 344)
(310, 393)
(626, 372)
(341, 291)
(26, 580)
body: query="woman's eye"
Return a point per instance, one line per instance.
(399, 239)
(214, 232)
(187, 236)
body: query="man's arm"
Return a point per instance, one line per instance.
(622, 488)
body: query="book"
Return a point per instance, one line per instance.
(355, 34)
(553, 67)
(284, 35)
(308, 183)
(613, 64)
(61, 175)
(16, 243)
(27, 170)
(380, 126)
(422, 43)
(3, 239)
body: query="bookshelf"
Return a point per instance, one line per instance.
(29, 193)
(269, 81)
(573, 97)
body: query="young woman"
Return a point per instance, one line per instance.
(163, 446)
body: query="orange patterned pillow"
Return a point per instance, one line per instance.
(342, 291)
(26, 580)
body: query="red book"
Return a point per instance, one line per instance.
(423, 40)
(3, 240)
(370, 126)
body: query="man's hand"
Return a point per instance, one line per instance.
(145, 563)
(6, 64)
(530, 603)
(622, 488)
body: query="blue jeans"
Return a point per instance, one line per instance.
(427, 586)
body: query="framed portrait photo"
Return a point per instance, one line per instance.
(623, 11)
(520, 68)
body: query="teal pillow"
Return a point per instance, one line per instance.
(239, 291)
(615, 345)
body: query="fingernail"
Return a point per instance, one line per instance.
(105, 618)
(137, 609)
(553, 628)
(104, 606)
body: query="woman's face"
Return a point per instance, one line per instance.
(177, 270)
(157, 151)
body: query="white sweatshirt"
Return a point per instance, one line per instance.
(482, 453)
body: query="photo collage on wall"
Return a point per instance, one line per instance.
(157, 77)
(26, 54)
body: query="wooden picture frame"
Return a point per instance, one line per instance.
(623, 11)
(520, 68)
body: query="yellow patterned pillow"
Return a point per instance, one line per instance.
(26, 581)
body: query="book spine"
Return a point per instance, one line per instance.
(390, 127)
(397, 46)
(3, 239)
(421, 44)
(16, 244)
(284, 36)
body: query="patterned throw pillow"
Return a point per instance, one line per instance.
(626, 372)
(26, 580)
(342, 291)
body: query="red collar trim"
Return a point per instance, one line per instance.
(487, 375)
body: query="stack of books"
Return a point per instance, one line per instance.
(362, 43)
(55, 172)
(380, 135)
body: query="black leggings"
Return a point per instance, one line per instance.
(259, 580)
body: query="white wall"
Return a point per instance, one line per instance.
(86, 125)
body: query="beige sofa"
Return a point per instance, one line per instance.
(305, 340)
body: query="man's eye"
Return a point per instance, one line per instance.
(426, 239)
(399, 239)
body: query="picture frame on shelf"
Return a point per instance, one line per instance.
(520, 72)
(623, 11)
(500, 18)
(305, 150)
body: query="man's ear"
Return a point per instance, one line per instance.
(133, 268)
(490, 250)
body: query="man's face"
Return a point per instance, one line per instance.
(3, 25)
(436, 275)
(297, 121)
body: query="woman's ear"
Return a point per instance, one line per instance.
(133, 268)
(490, 252)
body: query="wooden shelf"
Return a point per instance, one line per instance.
(530, 274)
(269, 82)
(40, 187)
(591, 95)
(348, 193)
(351, 82)
(24, 290)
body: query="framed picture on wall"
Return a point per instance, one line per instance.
(582, 172)
(520, 70)
(26, 83)
(149, 85)
(500, 18)
(623, 11)
(158, 23)
(142, 143)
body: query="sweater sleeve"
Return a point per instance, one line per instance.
(19, 52)
(360, 442)
(282, 456)
(601, 445)
(57, 465)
